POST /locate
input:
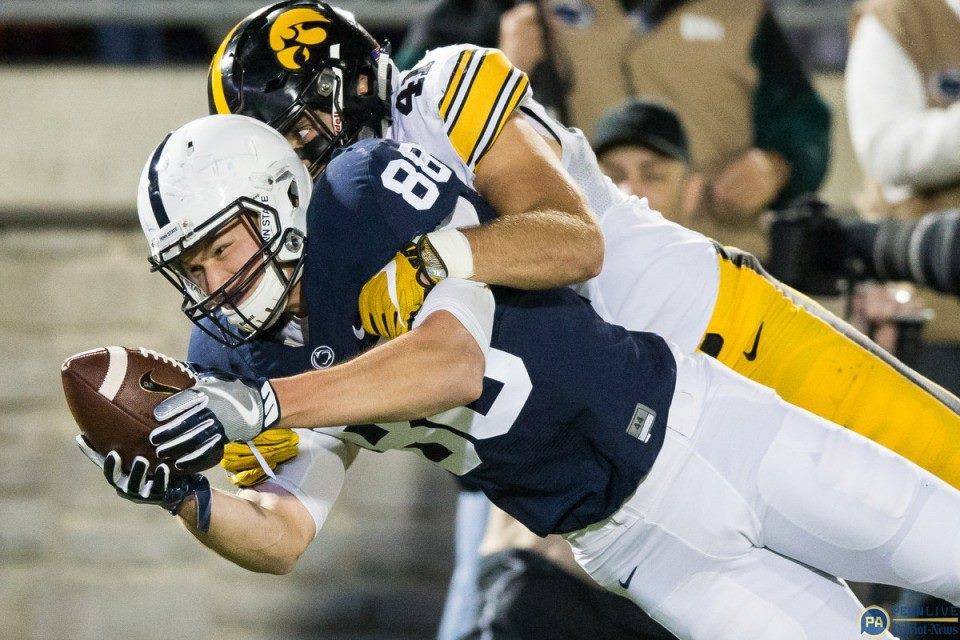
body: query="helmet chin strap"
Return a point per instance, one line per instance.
(253, 313)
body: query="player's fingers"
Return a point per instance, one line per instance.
(381, 325)
(371, 296)
(393, 324)
(176, 427)
(161, 479)
(179, 404)
(138, 474)
(366, 321)
(88, 451)
(205, 456)
(186, 442)
(111, 468)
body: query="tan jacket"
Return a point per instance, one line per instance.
(697, 60)
(929, 32)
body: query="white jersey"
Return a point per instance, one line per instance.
(657, 276)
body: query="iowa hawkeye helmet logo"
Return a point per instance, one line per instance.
(293, 33)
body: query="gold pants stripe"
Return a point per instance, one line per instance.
(774, 335)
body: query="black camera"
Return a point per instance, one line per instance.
(817, 252)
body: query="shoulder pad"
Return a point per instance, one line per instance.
(471, 91)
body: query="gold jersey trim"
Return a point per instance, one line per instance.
(483, 90)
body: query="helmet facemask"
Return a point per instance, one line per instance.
(303, 124)
(255, 297)
(304, 127)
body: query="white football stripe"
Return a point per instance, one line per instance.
(116, 372)
(260, 459)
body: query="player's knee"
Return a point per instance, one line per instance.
(713, 606)
(928, 556)
(836, 486)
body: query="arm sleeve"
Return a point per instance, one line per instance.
(789, 116)
(478, 90)
(897, 139)
(470, 302)
(316, 475)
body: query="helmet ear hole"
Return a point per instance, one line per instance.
(293, 194)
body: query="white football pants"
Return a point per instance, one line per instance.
(751, 509)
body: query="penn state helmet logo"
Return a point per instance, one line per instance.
(294, 33)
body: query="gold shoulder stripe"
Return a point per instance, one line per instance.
(518, 92)
(453, 85)
(478, 104)
(507, 87)
(215, 87)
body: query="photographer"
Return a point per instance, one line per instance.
(815, 253)
(903, 103)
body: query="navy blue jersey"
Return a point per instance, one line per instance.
(573, 409)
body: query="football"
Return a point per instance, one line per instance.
(112, 391)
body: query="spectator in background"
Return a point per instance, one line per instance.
(643, 147)
(903, 101)
(759, 133)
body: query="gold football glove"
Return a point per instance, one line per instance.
(275, 446)
(390, 316)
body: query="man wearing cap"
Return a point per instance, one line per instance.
(643, 147)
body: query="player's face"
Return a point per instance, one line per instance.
(305, 129)
(641, 172)
(230, 256)
(212, 263)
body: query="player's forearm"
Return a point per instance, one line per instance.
(248, 534)
(545, 235)
(537, 249)
(435, 367)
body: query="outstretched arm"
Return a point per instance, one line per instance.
(437, 366)
(264, 530)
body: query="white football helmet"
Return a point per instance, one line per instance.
(202, 177)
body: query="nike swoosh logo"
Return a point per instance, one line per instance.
(752, 354)
(250, 415)
(626, 583)
(358, 333)
(147, 383)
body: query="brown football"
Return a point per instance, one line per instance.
(111, 392)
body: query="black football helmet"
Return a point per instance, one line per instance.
(293, 61)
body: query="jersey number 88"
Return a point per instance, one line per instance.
(415, 176)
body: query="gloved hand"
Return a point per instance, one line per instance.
(390, 300)
(196, 423)
(275, 447)
(157, 488)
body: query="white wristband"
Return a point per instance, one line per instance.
(453, 248)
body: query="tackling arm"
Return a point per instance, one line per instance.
(545, 236)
